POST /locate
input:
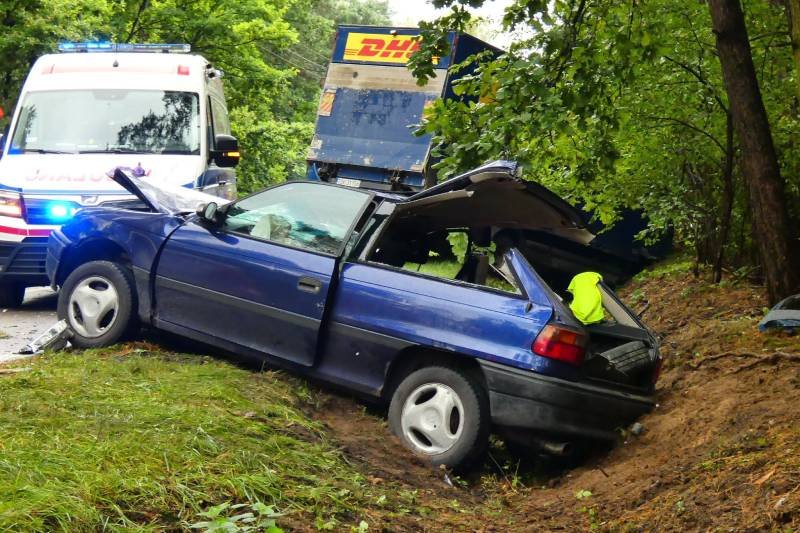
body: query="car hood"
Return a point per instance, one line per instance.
(163, 197)
(494, 195)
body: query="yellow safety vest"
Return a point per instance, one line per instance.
(587, 302)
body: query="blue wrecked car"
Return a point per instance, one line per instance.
(442, 304)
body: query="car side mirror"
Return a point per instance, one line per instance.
(209, 212)
(226, 151)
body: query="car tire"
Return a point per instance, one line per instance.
(11, 295)
(98, 301)
(442, 414)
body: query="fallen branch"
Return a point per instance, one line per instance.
(760, 358)
(771, 359)
(722, 356)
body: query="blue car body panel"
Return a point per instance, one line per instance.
(243, 290)
(392, 307)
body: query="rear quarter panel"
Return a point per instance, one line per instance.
(379, 311)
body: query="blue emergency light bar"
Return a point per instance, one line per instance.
(104, 46)
(61, 211)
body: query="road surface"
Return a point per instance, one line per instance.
(19, 326)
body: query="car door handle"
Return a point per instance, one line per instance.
(310, 285)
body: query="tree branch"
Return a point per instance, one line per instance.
(692, 127)
(699, 76)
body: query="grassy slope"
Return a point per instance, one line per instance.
(97, 440)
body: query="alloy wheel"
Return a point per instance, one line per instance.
(432, 418)
(93, 307)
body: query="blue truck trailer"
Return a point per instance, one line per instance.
(371, 104)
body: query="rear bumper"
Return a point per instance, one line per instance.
(24, 261)
(525, 400)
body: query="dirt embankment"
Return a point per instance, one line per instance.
(720, 452)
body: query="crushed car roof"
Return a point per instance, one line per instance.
(495, 195)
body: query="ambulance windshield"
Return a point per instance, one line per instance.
(108, 121)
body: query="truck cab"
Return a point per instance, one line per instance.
(155, 109)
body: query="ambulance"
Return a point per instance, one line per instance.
(155, 109)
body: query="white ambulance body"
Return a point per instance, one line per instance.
(79, 116)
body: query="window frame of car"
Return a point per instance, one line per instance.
(368, 202)
(375, 237)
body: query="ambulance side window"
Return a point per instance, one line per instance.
(219, 117)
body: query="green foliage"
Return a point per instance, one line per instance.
(259, 517)
(619, 105)
(102, 440)
(34, 27)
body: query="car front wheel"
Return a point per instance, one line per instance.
(442, 413)
(98, 302)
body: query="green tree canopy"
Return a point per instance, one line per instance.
(622, 106)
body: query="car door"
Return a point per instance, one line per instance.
(261, 276)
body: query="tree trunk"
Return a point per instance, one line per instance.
(728, 192)
(772, 228)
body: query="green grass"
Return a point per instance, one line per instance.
(440, 269)
(143, 441)
(676, 264)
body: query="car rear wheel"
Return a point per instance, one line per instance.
(11, 295)
(98, 302)
(442, 413)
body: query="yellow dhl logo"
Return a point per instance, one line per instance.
(379, 47)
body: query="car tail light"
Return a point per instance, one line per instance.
(11, 204)
(563, 344)
(657, 373)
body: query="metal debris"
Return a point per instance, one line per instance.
(637, 429)
(785, 314)
(55, 338)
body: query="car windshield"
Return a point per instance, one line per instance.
(300, 214)
(108, 121)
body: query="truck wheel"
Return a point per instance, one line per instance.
(98, 302)
(11, 295)
(443, 414)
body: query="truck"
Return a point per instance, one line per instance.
(156, 109)
(371, 103)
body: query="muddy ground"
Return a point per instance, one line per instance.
(720, 452)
